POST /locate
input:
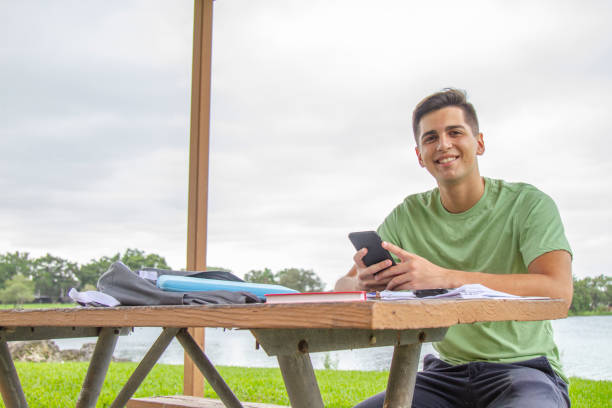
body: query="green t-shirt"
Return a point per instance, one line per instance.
(510, 226)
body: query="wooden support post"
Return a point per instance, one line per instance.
(198, 166)
(402, 376)
(300, 380)
(145, 366)
(10, 387)
(208, 370)
(98, 366)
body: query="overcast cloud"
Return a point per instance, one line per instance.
(310, 136)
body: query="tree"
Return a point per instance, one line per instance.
(15, 263)
(258, 276)
(218, 268)
(18, 290)
(54, 276)
(89, 273)
(303, 280)
(136, 259)
(591, 294)
(581, 300)
(601, 291)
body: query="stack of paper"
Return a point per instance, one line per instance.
(471, 291)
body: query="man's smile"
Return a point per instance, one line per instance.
(446, 159)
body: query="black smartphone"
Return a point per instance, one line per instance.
(371, 241)
(429, 292)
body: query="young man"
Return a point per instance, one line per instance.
(506, 236)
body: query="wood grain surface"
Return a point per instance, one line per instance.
(376, 315)
(183, 401)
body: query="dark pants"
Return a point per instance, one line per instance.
(531, 383)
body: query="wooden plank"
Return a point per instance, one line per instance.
(184, 401)
(415, 314)
(277, 342)
(197, 206)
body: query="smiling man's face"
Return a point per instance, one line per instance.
(448, 148)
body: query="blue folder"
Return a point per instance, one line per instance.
(174, 283)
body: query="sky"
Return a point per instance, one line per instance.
(310, 121)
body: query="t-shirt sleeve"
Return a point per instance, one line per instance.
(542, 230)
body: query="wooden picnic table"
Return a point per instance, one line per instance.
(288, 331)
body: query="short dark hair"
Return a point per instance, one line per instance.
(444, 98)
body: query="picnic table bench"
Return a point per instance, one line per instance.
(288, 331)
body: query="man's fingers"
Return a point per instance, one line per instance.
(378, 267)
(392, 271)
(369, 271)
(397, 251)
(399, 282)
(358, 258)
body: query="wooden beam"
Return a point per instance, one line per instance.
(198, 166)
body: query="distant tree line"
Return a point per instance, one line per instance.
(592, 294)
(303, 280)
(25, 279)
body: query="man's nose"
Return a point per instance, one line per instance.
(444, 142)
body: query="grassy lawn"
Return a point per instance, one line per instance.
(58, 384)
(38, 306)
(592, 313)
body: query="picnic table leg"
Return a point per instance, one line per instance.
(402, 376)
(145, 366)
(10, 387)
(98, 366)
(300, 380)
(208, 369)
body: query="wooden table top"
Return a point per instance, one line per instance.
(371, 315)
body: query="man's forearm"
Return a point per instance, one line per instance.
(515, 284)
(346, 284)
(549, 275)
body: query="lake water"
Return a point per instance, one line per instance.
(584, 342)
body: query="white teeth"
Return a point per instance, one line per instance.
(446, 160)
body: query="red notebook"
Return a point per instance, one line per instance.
(316, 297)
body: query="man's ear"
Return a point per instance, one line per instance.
(481, 146)
(418, 153)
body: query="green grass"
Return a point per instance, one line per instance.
(38, 306)
(58, 384)
(591, 313)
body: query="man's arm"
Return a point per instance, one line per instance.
(348, 282)
(548, 275)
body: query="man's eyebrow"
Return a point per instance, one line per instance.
(434, 132)
(429, 132)
(451, 127)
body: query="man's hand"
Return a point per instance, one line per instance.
(412, 272)
(366, 275)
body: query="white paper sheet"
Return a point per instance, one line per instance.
(92, 297)
(471, 291)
